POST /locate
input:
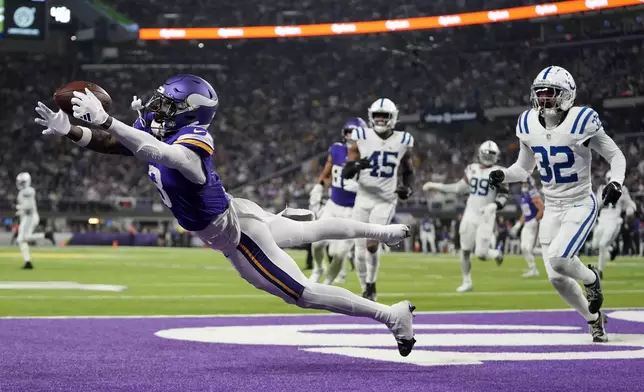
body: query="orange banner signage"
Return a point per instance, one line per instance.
(383, 26)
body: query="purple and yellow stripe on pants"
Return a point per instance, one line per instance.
(271, 272)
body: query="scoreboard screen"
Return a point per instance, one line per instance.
(23, 19)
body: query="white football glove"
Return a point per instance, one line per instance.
(136, 104)
(315, 197)
(55, 123)
(88, 108)
(489, 209)
(350, 185)
(514, 231)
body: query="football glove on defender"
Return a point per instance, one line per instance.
(611, 193)
(403, 192)
(352, 168)
(496, 178)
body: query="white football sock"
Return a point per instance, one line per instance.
(373, 263)
(529, 258)
(317, 251)
(466, 265)
(24, 249)
(571, 292)
(604, 255)
(334, 268)
(339, 300)
(360, 261)
(288, 233)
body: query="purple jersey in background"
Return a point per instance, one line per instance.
(339, 195)
(194, 205)
(528, 208)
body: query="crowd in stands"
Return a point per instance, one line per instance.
(282, 102)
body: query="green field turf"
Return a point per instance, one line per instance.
(166, 281)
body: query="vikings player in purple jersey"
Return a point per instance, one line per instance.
(172, 138)
(531, 213)
(339, 205)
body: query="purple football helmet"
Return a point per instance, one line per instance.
(180, 101)
(350, 125)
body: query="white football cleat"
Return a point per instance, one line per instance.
(402, 326)
(465, 287)
(398, 234)
(316, 275)
(340, 279)
(530, 273)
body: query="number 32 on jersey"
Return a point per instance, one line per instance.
(552, 160)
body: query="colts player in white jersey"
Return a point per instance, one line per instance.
(375, 155)
(27, 210)
(477, 226)
(531, 213)
(559, 137)
(609, 223)
(339, 205)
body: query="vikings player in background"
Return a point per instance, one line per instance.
(531, 213)
(339, 205)
(171, 137)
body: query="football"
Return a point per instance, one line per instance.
(64, 95)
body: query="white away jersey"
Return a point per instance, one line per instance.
(379, 182)
(26, 201)
(481, 193)
(624, 204)
(562, 158)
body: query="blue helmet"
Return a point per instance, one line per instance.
(180, 101)
(350, 125)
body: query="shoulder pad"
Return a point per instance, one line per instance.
(586, 122)
(522, 124)
(335, 146)
(197, 139)
(359, 134)
(407, 139)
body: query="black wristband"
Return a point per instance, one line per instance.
(107, 124)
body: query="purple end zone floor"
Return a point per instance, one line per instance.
(522, 351)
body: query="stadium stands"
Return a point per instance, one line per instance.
(282, 102)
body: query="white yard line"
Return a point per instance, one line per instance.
(258, 315)
(266, 296)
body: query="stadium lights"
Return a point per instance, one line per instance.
(93, 221)
(385, 26)
(61, 14)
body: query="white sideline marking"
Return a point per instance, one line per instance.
(267, 296)
(253, 315)
(59, 286)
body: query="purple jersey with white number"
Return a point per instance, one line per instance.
(339, 195)
(528, 208)
(194, 205)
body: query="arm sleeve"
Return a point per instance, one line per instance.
(606, 147)
(629, 205)
(521, 169)
(460, 187)
(147, 148)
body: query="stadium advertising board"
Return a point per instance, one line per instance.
(385, 26)
(447, 116)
